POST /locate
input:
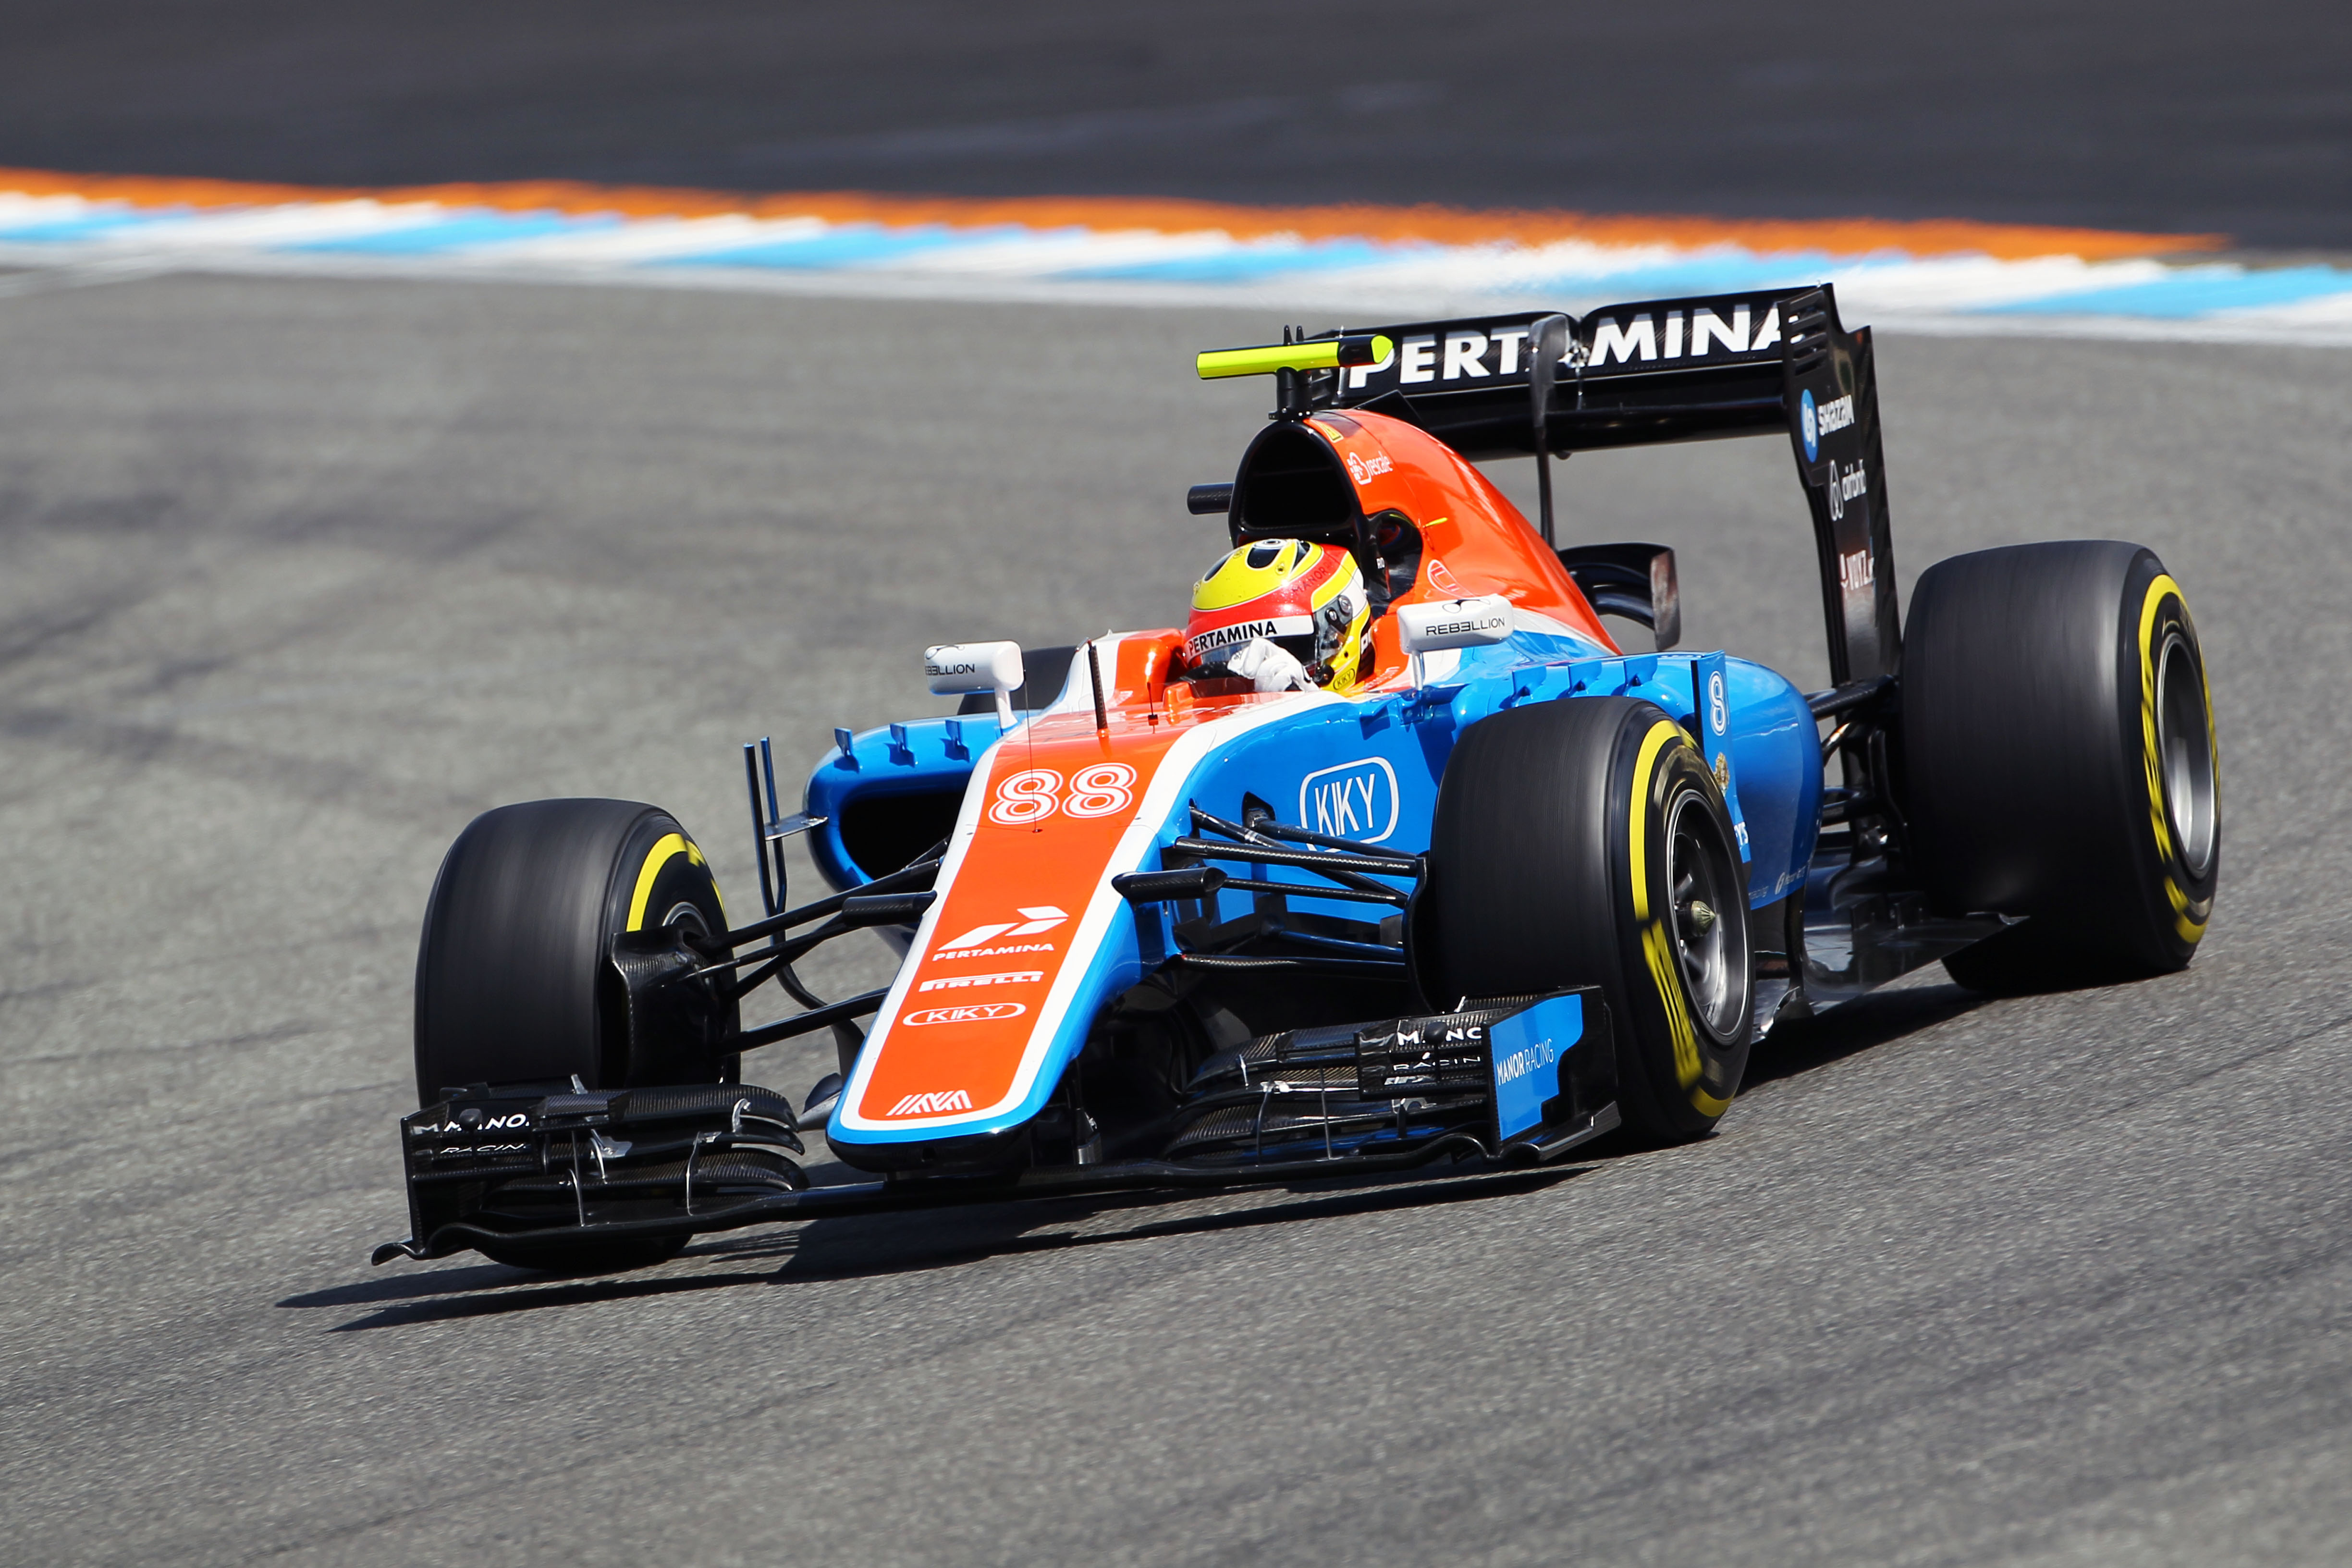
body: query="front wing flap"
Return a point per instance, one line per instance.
(1523, 1079)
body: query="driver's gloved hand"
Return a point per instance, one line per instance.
(1270, 668)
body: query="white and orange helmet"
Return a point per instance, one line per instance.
(1306, 599)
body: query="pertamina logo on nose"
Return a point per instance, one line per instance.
(981, 941)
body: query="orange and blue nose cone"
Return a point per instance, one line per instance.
(1306, 598)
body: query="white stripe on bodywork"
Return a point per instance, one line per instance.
(1169, 784)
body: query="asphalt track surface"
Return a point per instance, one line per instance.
(2166, 115)
(300, 575)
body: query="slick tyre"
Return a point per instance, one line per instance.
(2059, 763)
(514, 980)
(1584, 842)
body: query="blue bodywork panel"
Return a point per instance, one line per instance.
(1366, 769)
(1529, 1052)
(1370, 772)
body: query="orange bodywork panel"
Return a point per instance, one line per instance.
(1062, 805)
(1473, 540)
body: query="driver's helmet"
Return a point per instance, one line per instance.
(1306, 599)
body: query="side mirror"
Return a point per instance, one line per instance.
(1453, 623)
(957, 667)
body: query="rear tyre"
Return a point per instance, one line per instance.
(515, 987)
(1584, 842)
(2059, 761)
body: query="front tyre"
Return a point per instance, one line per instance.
(515, 984)
(1584, 842)
(2059, 761)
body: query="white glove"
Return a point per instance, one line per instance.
(1270, 668)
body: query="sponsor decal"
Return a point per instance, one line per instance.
(1201, 648)
(1354, 800)
(1484, 621)
(936, 667)
(1033, 795)
(1044, 918)
(1224, 637)
(1809, 424)
(966, 982)
(1843, 487)
(1694, 333)
(488, 1125)
(931, 1104)
(1723, 770)
(1363, 470)
(968, 1013)
(1007, 951)
(1528, 1051)
(1465, 355)
(1417, 359)
(1718, 711)
(1460, 357)
(1857, 571)
(1636, 340)
(1442, 580)
(1837, 414)
(1524, 1060)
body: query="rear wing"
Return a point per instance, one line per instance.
(1652, 372)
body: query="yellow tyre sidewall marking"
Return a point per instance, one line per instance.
(1657, 947)
(2187, 917)
(667, 846)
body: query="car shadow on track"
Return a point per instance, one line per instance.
(877, 1245)
(1804, 1045)
(915, 1241)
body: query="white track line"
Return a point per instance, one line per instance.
(1953, 295)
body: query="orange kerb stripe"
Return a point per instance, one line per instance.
(1433, 225)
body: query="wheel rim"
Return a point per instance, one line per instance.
(2184, 745)
(1708, 918)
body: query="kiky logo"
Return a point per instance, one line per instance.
(971, 1013)
(966, 982)
(1043, 918)
(931, 1104)
(1355, 800)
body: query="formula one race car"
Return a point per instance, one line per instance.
(1392, 856)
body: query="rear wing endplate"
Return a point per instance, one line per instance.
(1668, 370)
